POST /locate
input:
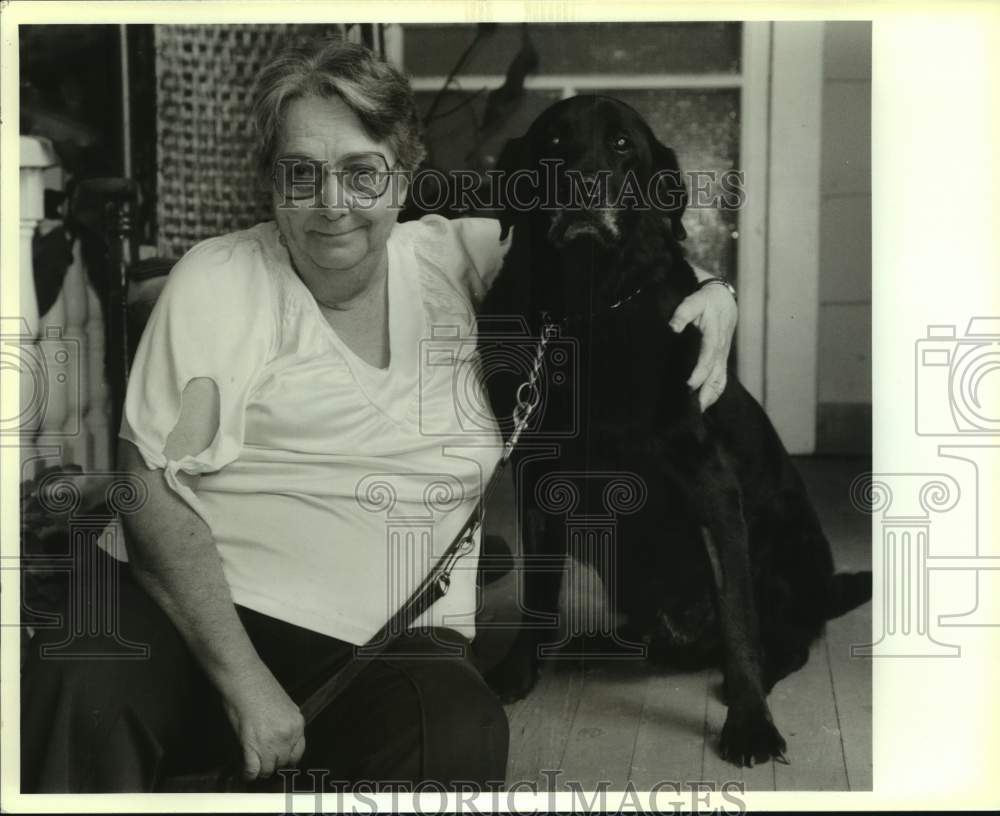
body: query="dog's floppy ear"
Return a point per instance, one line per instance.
(671, 192)
(514, 156)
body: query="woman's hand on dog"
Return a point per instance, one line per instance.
(713, 310)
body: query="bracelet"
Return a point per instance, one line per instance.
(721, 282)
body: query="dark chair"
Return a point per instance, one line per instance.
(146, 280)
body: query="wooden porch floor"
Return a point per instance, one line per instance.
(616, 721)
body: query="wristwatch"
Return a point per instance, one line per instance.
(721, 282)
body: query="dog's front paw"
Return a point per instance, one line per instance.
(749, 736)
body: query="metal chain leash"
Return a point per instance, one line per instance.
(527, 398)
(528, 395)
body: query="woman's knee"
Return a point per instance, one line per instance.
(478, 732)
(465, 730)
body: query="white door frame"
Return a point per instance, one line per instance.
(779, 224)
(751, 260)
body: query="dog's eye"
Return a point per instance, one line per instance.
(554, 141)
(622, 143)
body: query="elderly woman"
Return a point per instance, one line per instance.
(277, 413)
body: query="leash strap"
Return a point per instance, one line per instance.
(435, 586)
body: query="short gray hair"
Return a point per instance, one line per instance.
(379, 94)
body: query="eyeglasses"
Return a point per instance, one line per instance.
(361, 177)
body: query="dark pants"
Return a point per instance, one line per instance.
(104, 723)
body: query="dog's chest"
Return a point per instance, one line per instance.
(623, 380)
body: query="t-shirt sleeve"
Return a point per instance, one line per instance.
(469, 250)
(213, 319)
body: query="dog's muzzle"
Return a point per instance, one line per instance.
(599, 224)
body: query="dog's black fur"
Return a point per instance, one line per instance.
(725, 562)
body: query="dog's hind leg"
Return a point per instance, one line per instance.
(786, 631)
(785, 647)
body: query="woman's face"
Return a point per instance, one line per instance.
(333, 231)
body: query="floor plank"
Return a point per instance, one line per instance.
(849, 531)
(604, 729)
(540, 723)
(804, 711)
(852, 688)
(668, 745)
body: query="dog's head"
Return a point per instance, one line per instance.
(587, 167)
(587, 184)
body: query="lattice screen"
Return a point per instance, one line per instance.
(205, 177)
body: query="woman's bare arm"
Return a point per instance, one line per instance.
(174, 558)
(713, 310)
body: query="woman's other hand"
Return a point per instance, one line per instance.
(713, 310)
(173, 556)
(267, 723)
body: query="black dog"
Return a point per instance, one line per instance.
(721, 559)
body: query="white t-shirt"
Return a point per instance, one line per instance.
(331, 487)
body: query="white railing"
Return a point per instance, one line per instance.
(64, 407)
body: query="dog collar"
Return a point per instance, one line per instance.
(570, 318)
